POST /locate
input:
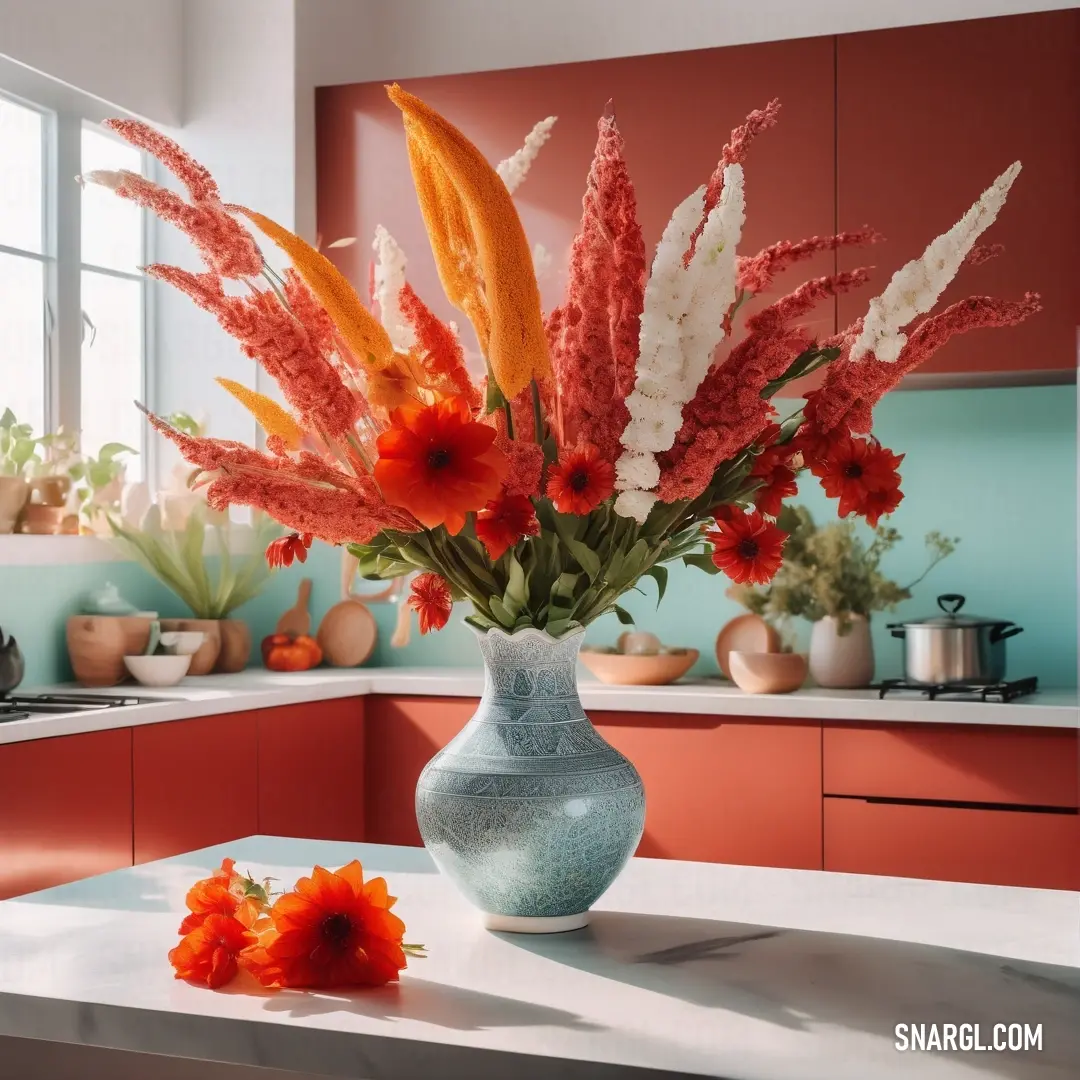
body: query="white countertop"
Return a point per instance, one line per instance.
(687, 969)
(260, 689)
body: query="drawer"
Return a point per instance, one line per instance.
(992, 847)
(1011, 766)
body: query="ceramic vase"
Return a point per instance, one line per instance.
(842, 661)
(527, 809)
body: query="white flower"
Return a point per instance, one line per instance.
(515, 168)
(916, 287)
(106, 178)
(641, 471)
(635, 504)
(389, 281)
(541, 260)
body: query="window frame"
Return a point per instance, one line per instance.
(67, 112)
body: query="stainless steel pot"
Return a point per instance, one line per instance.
(953, 648)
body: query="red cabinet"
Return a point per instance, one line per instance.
(403, 734)
(722, 790)
(195, 784)
(951, 843)
(927, 116)
(65, 809)
(312, 770)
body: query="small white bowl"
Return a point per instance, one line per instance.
(158, 670)
(182, 642)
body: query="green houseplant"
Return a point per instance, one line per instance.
(834, 579)
(212, 587)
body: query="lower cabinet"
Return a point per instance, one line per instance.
(312, 770)
(952, 843)
(195, 784)
(65, 809)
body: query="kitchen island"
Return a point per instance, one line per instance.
(686, 969)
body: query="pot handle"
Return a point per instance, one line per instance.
(1000, 633)
(898, 630)
(951, 602)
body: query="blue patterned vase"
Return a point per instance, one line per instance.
(527, 809)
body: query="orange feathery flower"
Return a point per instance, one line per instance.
(504, 521)
(430, 598)
(209, 954)
(438, 463)
(360, 330)
(747, 547)
(332, 930)
(284, 549)
(580, 481)
(271, 417)
(215, 897)
(517, 350)
(863, 475)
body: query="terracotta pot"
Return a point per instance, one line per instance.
(42, 520)
(235, 647)
(202, 663)
(97, 645)
(14, 491)
(51, 490)
(347, 634)
(842, 661)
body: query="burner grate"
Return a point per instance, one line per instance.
(23, 706)
(999, 692)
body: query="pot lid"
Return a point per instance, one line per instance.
(951, 603)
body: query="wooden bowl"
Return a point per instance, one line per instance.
(746, 633)
(767, 673)
(617, 669)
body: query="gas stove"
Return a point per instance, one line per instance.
(24, 706)
(1001, 692)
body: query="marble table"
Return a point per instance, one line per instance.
(687, 969)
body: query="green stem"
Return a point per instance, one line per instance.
(538, 416)
(509, 419)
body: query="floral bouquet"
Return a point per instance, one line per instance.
(631, 427)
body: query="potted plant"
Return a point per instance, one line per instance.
(18, 454)
(212, 588)
(47, 510)
(100, 483)
(834, 579)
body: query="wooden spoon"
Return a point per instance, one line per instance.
(297, 620)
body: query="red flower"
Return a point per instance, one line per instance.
(438, 463)
(862, 474)
(580, 481)
(429, 597)
(779, 482)
(747, 547)
(208, 954)
(282, 551)
(504, 521)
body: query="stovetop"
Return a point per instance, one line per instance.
(23, 706)
(1001, 691)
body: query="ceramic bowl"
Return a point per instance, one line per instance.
(618, 669)
(767, 672)
(158, 670)
(745, 633)
(182, 642)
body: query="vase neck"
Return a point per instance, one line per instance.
(530, 668)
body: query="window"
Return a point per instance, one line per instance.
(72, 298)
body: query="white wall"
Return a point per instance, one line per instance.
(239, 81)
(364, 40)
(125, 52)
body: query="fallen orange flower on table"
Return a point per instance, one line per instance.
(332, 930)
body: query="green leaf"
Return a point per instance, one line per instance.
(659, 574)
(506, 617)
(623, 616)
(587, 559)
(515, 596)
(113, 449)
(702, 562)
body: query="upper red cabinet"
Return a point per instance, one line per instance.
(927, 116)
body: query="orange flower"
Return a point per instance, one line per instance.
(430, 598)
(225, 892)
(438, 463)
(747, 547)
(469, 212)
(209, 953)
(580, 481)
(284, 549)
(333, 930)
(863, 475)
(504, 521)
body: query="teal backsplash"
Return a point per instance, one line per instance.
(996, 468)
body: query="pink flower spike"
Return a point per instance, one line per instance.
(201, 186)
(982, 253)
(756, 272)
